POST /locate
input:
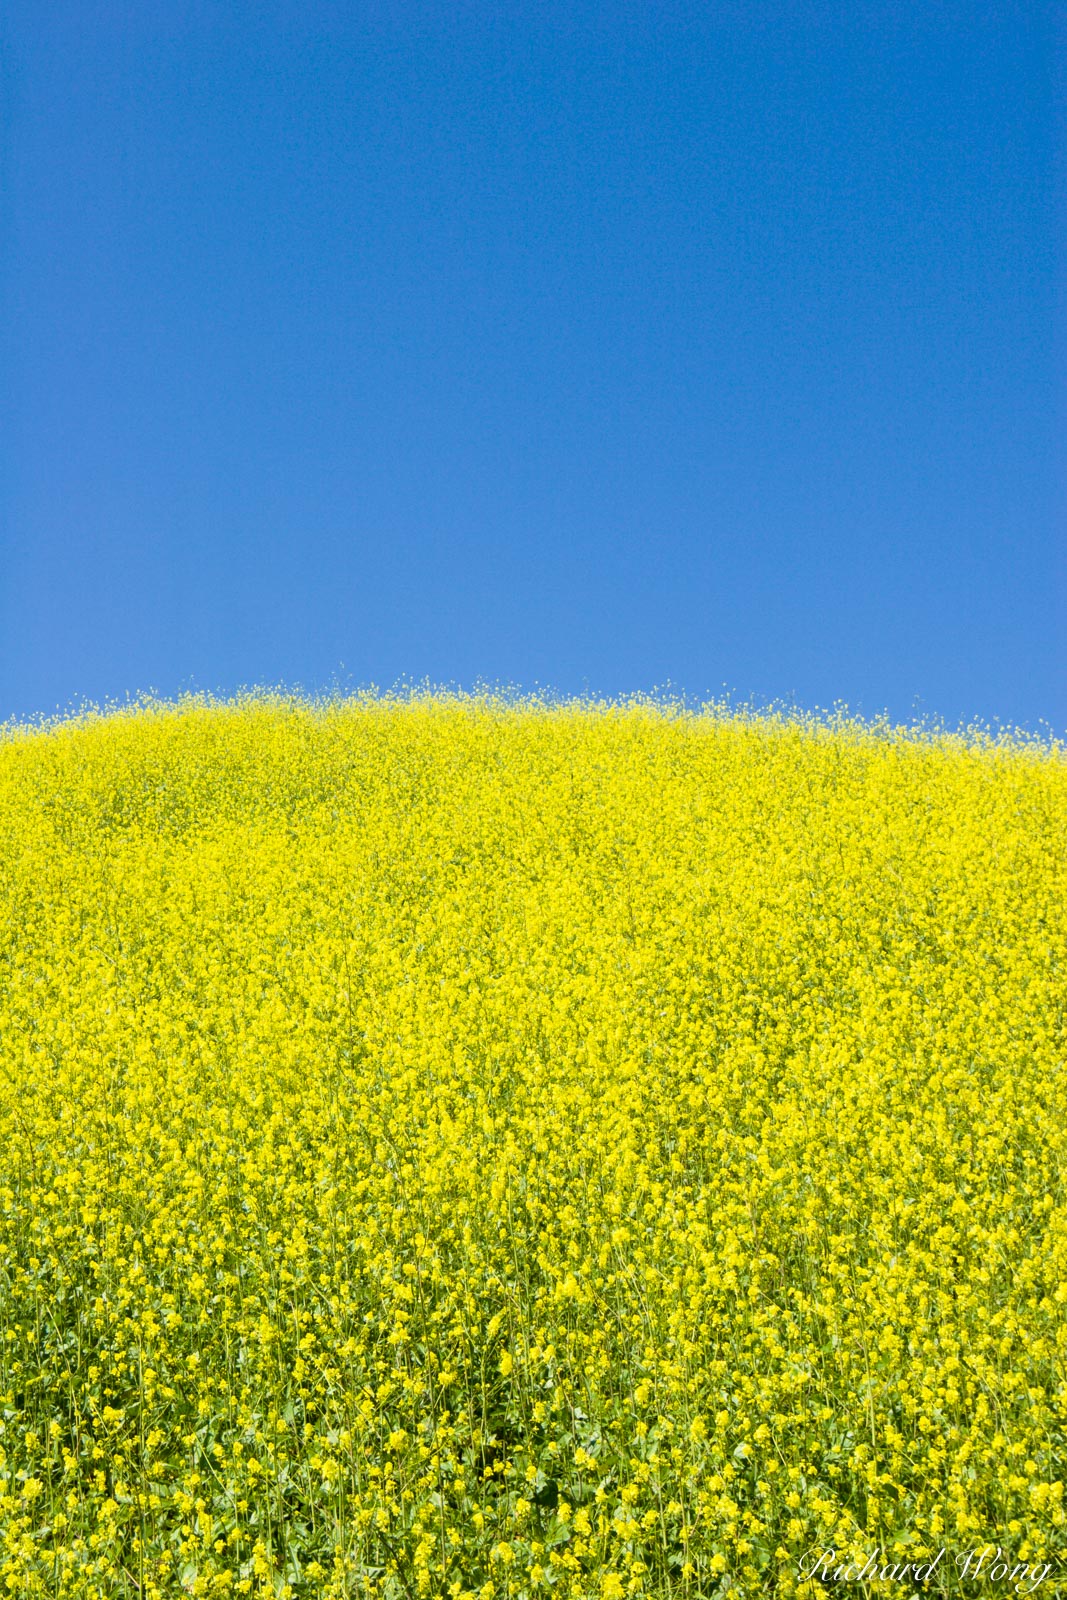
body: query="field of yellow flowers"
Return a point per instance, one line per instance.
(461, 1147)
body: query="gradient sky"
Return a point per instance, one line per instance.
(598, 347)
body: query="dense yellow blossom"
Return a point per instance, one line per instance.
(460, 1148)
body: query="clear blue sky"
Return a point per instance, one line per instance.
(594, 346)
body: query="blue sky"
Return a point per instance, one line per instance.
(595, 347)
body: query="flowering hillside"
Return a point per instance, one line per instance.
(464, 1148)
